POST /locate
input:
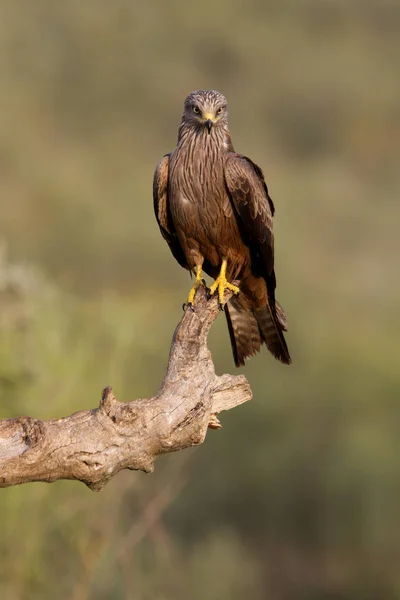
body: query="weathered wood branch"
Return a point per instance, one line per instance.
(92, 446)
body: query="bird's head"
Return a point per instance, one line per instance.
(205, 109)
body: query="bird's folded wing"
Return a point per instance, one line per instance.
(162, 212)
(254, 207)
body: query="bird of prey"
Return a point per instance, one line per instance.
(213, 209)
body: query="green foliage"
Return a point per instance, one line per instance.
(297, 496)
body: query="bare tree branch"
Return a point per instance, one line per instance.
(92, 446)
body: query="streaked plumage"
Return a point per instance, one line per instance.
(213, 204)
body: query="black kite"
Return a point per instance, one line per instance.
(214, 210)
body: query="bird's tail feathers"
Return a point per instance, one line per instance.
(272, 323)
(249, 329)
(243, 330)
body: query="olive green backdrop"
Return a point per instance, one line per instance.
(297, 497)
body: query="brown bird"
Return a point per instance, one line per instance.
(213, 208)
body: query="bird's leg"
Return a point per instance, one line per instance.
(221, 284)
(198, 281)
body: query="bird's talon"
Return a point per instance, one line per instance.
(187, 306)
(221, 284)
(197, 283)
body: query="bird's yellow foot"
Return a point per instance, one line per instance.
(221, 284)
(198, 281)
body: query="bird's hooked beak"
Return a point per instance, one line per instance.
(209, 121)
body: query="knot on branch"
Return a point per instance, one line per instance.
(108, 402)
(19, 435)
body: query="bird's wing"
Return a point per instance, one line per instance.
(254, 208)
(161, 209)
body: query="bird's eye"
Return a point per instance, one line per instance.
(196, 110)
(219, 111)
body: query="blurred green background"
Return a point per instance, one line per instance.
(298, 496)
